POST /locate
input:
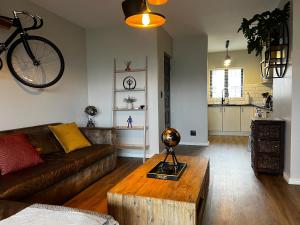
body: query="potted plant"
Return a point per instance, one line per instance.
(263, 28)
(130, 100)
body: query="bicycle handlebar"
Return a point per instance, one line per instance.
(36, 24)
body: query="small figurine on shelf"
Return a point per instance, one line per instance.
(130, 100)
(128, 63)
(129, 122)
(91, 111)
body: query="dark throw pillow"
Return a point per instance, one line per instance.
(16, 153)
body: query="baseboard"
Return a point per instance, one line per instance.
(221, 133)
(134, 154)
(289, 180)
(195, 143)
(286, 177)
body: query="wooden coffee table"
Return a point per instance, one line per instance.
(138, 200)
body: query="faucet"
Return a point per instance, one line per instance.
(223, 96)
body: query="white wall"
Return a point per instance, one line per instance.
(287, 100)
(21, 106)
(282, 106)
(123, 43)
(189, 89)
(164, 45)
(295, 126)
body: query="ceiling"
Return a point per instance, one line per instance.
(219, 19)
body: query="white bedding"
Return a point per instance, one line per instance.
(43, 216)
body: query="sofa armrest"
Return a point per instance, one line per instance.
(9, 208)
(99, 135)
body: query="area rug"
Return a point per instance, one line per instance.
(40, 214)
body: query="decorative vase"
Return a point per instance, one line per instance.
(130, 105)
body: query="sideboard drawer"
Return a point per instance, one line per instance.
(268, 162)
(267, 131)
(268, 146)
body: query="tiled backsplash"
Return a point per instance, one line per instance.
(254, 90)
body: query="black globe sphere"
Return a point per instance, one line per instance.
(170, 137)
(91, 110)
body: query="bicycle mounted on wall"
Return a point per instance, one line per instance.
(33, 60)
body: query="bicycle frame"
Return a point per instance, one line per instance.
(16, 22)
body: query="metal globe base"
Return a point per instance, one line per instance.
(171, 151)
(167, 170)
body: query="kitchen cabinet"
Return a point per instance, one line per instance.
(215, 119)
(231, 119)
(247, 112)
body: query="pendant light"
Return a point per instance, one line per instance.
(137, 14)
(157, 2)
(227, 60)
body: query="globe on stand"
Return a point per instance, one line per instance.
(169, 170)
(171, 138)
(91, 111)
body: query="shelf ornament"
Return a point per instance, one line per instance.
(130, 100)
(91, 111)
(129, 83)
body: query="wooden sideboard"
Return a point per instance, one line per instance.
(267, 145)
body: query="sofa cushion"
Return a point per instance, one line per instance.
(57, 166)
(40, 137)
(16, 153)
(70, 137)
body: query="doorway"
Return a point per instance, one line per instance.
(167, 79)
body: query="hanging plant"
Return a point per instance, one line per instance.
(263, 28)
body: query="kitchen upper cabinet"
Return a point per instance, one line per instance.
(247, 112)
(215, 118)
(231, 119)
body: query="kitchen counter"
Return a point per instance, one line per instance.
(267, 119)
(239, 105)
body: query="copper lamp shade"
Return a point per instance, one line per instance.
(137, 14)
(157, 2)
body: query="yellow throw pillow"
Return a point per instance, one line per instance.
(69, 136)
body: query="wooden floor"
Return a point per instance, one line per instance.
(236, 196)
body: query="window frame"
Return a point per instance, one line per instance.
(226, 81)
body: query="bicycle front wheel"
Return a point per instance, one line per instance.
(45, 72)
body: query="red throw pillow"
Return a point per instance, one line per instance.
(17, 153)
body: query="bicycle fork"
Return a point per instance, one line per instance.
(23, 35)
(29, 51)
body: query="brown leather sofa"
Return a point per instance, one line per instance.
(9, 208)
(62, 175)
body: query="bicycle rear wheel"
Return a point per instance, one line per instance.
(46, 72)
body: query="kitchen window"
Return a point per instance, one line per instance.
(226, 83)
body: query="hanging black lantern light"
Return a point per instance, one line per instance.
(137, 14)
